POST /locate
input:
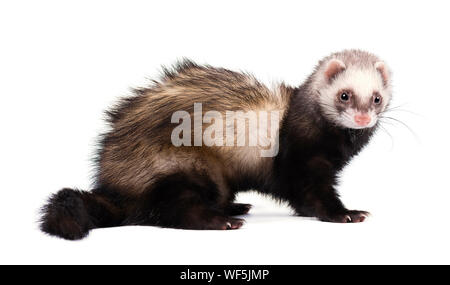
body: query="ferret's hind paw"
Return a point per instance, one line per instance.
(236, 209)
(234, 224)
(223, 223)
(350, 216)
(358, 216)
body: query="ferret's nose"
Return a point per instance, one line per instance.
(362, 119)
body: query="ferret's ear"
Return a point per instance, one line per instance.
(334, 67)
(382, 69)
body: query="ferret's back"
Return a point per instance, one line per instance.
(139, 145)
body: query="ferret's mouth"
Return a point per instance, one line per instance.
(358, 120)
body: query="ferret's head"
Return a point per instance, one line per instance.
(353, 88)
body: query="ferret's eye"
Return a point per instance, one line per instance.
(377, 100)
(344, 97)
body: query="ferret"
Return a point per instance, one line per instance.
(149, 173)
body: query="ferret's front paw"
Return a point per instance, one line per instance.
(350, 216)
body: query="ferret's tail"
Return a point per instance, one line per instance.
(70, 214)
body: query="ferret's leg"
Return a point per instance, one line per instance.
(319, 197)
(187, 201)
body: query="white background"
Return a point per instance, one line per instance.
(63, 62)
